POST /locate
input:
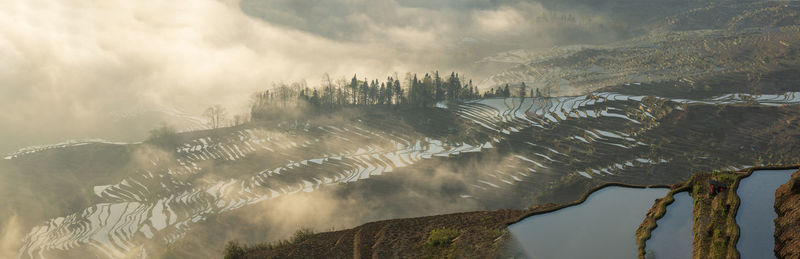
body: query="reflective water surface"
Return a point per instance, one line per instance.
(673, 236)
(756, 212)
(601, 227)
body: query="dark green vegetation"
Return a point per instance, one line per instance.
(234, 250)
(424, 92)
(297, 100)
(441, 237)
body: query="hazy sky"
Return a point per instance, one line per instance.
(66, 66)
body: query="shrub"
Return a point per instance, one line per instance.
(165, 137)
(233, 250)
(442, 236)
(301, 235)
(727, 178)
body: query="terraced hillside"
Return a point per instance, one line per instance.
(716, 40)
(380, 164)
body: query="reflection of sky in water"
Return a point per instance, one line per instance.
(673, 236)
(756, 212)
(601, 227)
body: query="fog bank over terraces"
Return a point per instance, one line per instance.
(94, 63)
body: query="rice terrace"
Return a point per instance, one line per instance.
(400, 129)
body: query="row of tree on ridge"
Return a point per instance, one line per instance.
(417, 91)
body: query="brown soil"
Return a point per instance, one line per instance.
(481, 234)
(787, 224)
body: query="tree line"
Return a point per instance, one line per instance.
(415, 91)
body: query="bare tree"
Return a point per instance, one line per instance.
(216, 115)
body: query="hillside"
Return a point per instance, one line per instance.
(745, 38)
(378, 164)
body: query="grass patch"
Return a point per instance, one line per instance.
(727, 178)
(441, 236)
(234, 250)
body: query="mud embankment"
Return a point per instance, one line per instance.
(787, 224)
(473, 234)
(715, 231)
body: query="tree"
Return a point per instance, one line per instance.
(437, 88)
(389, 90)
(354, 87)
(428, 93)
(216, 115)
(382, 94)
(372, 92)
(363, 91)
(327, 92)
(424, 92)
(314, 100)
(398, 91)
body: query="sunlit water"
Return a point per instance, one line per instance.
(673, 236)
(603, 226)
(756, 212)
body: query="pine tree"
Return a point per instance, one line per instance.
(354, 87)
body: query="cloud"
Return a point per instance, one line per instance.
(67, 66)
(501, 20)
(10, 237)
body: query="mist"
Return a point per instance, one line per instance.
(69, 68)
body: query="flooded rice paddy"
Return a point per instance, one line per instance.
(539, 144)
(603, 226)
(756, 212)
(673, 236)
